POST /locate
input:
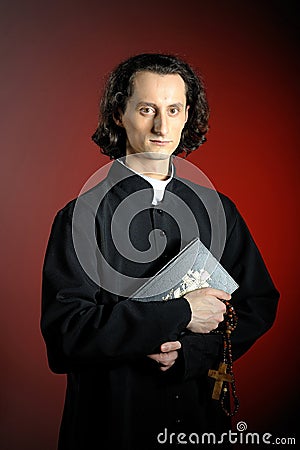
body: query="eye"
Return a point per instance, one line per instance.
(173, 111)
(147, 110)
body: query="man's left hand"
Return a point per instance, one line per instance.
(168, 355)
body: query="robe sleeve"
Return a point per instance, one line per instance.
(255, 301)
(80, 329)
(199, 353)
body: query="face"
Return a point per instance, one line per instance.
(155, 114)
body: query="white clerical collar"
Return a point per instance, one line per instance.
(158, 186)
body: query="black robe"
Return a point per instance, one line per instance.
(116, 396)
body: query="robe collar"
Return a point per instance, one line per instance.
(125, 179)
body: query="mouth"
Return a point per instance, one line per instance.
(160, 142)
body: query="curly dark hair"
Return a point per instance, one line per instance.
(119, 87)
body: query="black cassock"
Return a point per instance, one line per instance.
(116, 396)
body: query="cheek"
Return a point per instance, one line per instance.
(133, 127)
(180, 128)
(133, 134)
(129, 128)
(180, 123)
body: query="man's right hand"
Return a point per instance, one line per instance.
(207, 309)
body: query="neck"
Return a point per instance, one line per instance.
(153, 166)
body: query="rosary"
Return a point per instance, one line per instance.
(225, 382)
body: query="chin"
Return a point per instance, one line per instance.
(157, 155)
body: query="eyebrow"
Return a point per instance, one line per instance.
(153, 105)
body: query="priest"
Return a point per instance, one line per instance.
(149, 374)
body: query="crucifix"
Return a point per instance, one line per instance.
(220, 376)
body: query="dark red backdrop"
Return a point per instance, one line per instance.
(54, 57)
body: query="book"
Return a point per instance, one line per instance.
(194, 267)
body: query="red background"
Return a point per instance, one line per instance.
(54, 58)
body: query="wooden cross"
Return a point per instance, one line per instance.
(220, 376)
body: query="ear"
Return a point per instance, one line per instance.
(187, 113)
(118, 119)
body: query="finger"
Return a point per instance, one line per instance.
(166, 358)
(170, 346)
(154, 356)
(165, 368)
(163, 358)
(217, 305)
(217, 293)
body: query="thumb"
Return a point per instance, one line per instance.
(170, 346)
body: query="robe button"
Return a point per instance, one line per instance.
(160, 211)
(162, 233)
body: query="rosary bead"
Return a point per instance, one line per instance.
(226, 328)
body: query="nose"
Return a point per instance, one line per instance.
(160, 125)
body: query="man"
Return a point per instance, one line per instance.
(137, 371)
